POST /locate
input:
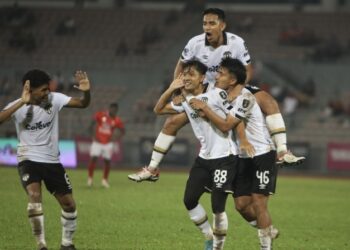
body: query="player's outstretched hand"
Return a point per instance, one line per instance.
(26, 92)
(82, 80)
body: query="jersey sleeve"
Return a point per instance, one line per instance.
(188, 52)
(242, 52)
(13, 116)
(221, 99)
(60, 99)
(243, 105)
(178, 109)
(119, 123)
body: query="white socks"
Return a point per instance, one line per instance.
(220, 227)
(69, 224)
(265, 238)
(200, 218)
(161, 147)
(36, 220)
(277, 128)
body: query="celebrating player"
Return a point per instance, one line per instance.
(105, 123)
(210, 48)
(256, 179)
(215, 167)
(35, 115)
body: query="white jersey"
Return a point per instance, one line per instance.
(199, 49)
(246, 108)
(214, 143)
(37, 129)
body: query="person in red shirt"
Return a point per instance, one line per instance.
(105, 123)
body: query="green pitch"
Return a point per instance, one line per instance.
(310, 214)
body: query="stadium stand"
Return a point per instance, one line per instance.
(135, 79)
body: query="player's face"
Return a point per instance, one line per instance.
(40, 94)
(224, 79)
(213, 28)
(113, 111)
(192, 79)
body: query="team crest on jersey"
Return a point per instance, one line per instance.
(25, 177)
(227, 54)
(245, 103)
(204, 99)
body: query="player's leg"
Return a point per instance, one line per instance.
(264, 184)
(199, 179)
(107, 153)
(243, 184)
(95, 152)
(223, 172)
(57, 183)
(161, 146)
(68, 220)
(242, 191)
(31, 182)
(275, 124)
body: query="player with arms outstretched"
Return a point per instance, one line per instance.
(35, 115)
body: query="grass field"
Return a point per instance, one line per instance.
(310, 213)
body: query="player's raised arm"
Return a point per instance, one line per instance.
(84, 86)
(25, 98)
(163, 107)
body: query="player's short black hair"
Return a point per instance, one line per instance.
(114, 105)
(235, 67)
(200, 67)
(36, 77)
(216, 11)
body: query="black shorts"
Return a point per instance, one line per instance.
(53, 174)
(214, 174)
(256, 175)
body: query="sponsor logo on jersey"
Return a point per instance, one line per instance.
(205, 57)
(37, 126)
(242, 110)
(214, 68)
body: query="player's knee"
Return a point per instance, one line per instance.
(34, 196)
(260, 202)
(240, 207)
(190, 202)
(68, 206)
(173, 124)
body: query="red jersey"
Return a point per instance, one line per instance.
(105, 125)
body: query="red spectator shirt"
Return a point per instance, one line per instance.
(105, 126)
